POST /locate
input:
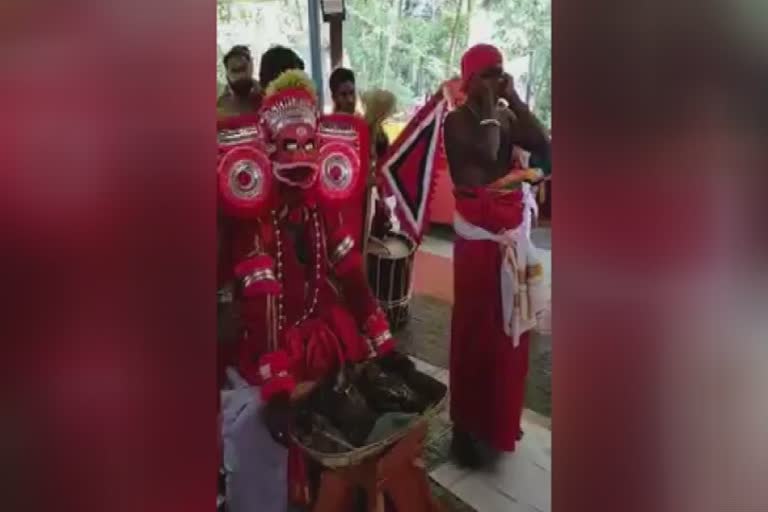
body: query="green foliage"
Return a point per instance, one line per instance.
(229, 12)
(524, 28)
(390, 48)
(411, 46)
(411, 55)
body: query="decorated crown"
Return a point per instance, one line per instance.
(240, 130)
(290, 99)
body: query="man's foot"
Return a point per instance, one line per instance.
(465, 451)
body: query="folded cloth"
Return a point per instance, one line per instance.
(255, 465)
(388, 424)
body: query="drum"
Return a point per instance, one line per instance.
(390, 274)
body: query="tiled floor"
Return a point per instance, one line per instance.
(521, 481)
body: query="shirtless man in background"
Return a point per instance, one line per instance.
(488, 366)
(243, 95)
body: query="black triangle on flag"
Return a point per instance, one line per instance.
(409, 167)
(414, 157)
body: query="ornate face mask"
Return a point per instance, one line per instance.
(290, 119)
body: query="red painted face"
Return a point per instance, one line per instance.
(290, 117)
(295, 157)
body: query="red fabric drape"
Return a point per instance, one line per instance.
(487, 371)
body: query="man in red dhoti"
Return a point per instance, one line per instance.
(295, 266)
(495, 270)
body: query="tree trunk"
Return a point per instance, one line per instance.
(392, 34)
(454, 37)
(337, 45)
(470, 11)
(529, 82)
(382, 54)
(300, 15)
(420, 76)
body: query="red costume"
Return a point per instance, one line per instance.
(305, 303)
(286, 178)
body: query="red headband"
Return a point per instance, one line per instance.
(477, 59)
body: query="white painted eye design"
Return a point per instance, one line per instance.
(340, 176)
(244, 181)
(247, 179)
(337, 172)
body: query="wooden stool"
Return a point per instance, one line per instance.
(399, 473)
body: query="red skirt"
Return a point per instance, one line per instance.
(487, 371)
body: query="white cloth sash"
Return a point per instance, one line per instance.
(523, 295)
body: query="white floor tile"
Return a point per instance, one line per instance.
(537, 445)
(517, 476)
(425, 367)
(522, 481)
(484, 498)
(449, 474)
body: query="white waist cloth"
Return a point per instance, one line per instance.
(523, 295)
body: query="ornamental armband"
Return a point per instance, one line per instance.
(274, 375)
(376, 328)
(343, 254)
(257, 276)
(242, 130)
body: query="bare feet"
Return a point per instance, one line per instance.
(465, 450)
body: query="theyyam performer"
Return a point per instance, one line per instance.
(293, 266)
(497, 278)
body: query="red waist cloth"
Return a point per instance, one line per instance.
(491, 209)
(487, 371)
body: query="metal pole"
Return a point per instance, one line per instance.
(337, 44)
(314, 49)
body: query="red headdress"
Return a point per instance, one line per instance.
(288, 142)
(304, 154)
(289, 114)
(477, 59)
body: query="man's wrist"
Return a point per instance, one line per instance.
(515, 104)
